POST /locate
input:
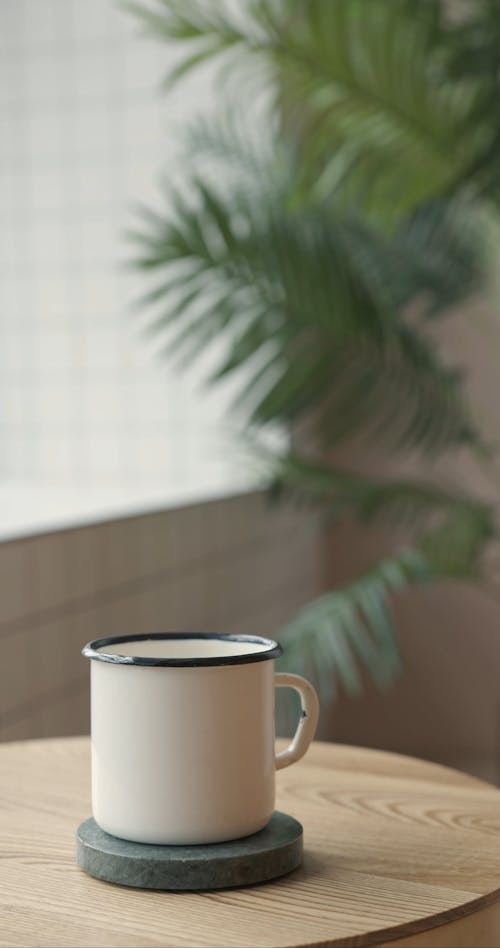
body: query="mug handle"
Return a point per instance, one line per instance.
(308, 718)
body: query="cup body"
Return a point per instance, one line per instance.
(182, 737)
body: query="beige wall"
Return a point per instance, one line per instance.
(446, 704)
(233, 565)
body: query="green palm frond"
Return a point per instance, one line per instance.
(226, 147)
(455, 549)
(435, 254)
(402, 501)
(473, 51)
(400, 394)
(351, 628)
(206, 31)
(361, 88)
(294, 296)
(380, 121)
(450, 529)
(317, 252)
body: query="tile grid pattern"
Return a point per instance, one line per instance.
(231, 565)
(85, 136)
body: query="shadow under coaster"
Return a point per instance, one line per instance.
(268, 854)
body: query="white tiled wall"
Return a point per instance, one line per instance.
(84, 136)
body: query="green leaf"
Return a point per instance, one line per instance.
(302, 285)
(455, 548)
(409, 502)
(351, 628)
(316, 247)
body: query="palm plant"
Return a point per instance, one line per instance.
(319, 237)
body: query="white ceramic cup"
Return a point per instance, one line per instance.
(183, 735)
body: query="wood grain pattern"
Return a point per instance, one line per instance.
(481, 928)
(394, 848)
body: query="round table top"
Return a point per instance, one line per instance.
(393, 846)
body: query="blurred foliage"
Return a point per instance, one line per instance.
(319, 238)
(353, 625)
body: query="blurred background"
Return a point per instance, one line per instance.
(249, 351)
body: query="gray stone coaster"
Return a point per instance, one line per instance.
(274, 851)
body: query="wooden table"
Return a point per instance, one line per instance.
(397, 851)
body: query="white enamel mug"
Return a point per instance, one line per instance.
(183, 735)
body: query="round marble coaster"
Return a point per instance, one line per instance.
(274, 851)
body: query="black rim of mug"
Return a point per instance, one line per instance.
(93, 651)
